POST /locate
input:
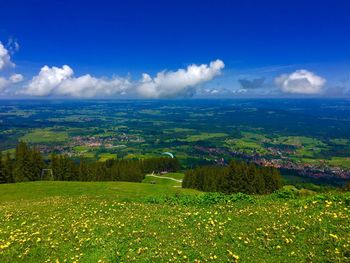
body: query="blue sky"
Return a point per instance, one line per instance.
(258, 42)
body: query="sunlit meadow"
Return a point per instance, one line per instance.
(101, 222)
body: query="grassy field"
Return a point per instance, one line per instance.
(203, 136)
(340, 161)
(165, 181)
(45, 136)
(116, 222)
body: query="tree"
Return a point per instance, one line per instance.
(237, 177)
(8, 168)
(22, 163)
(37, 164)
(2, 170)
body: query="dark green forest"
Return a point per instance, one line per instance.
(237, 177)
(29, 165)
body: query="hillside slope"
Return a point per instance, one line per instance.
(116, 222)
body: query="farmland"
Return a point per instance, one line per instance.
(127, 222)
(267, 132)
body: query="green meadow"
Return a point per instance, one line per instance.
(45, 136)
(144, 222)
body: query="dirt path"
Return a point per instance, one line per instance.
(165, 177)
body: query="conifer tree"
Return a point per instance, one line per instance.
(8, 168)
(2, 170)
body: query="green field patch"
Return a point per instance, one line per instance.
(306, 146)
(340, 141)
(178, 176)
(250, 142)
(141, 156)
(178, 130)
(45, 136)
(161, 181)
(203, 136)
(340, 162)
(106, 134)
(81, 148)
(10, 151)
(88, 155)
(106, 156)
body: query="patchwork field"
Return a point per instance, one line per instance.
(45, 136)
(196, 132)
(141, 222)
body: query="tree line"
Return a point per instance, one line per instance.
(29, 165)
(237, 177)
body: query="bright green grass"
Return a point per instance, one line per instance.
(45, 136)
(178, 130)
(165, 181)
(250, 142)
(106, 156)
(203, 136)
(340, 161)
(161, 181)
(178, 176)
(111, 222)
(105, 190)
(81, 148)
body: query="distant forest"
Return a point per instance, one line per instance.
(29, 165)
(237, 177)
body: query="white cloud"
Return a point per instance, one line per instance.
(87, 86)
(15, 78)
(180, 82)
(5, 59)
(60, 81)
(47, 80)
(56, 81)
(5, 83)
(301, 82)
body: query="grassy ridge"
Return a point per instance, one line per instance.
(112, 222)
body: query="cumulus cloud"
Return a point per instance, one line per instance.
(6, 82)
(251, 84)
(88, 87)
(178, 83)
(57, 81)
(15, 78)
(5, 59)
(3, 83)
(48, 80)
(60, 81)
(301, 82)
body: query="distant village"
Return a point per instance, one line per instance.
(89, 142)
(281, 162)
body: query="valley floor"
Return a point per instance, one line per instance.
(115, 222)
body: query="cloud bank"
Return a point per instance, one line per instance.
(300, 82)
(180, 82)
(6, 82)
(5, 61)
(57, 81)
